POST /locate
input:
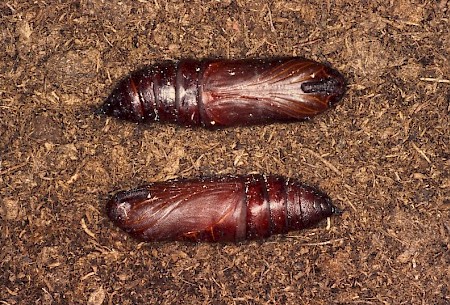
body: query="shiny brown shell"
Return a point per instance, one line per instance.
(218, 209)
(220, 93)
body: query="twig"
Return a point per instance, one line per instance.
(347, 201)
(435, 80)
(327, 163)
(323, 243)
(272, 28)
(421, 152)
(12, 168)
(86, 229)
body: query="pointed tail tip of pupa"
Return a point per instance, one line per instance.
(99, 110)
(336, 211)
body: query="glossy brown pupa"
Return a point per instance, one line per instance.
(218, 209)
(216, 93)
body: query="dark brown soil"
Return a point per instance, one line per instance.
(383, 154)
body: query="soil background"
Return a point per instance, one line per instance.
(382, 153)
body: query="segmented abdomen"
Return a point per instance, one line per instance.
(222, 93)
(219, 209)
